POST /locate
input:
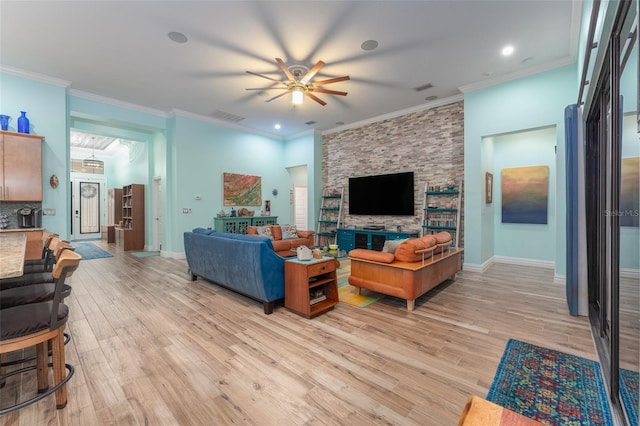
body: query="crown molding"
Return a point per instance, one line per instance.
(301, 134)
(181, 113)
(35, 76)
(394, 114)
(117, 103)
(518, 74)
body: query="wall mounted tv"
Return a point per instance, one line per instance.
(390, 194)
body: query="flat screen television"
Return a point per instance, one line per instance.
(384, 195)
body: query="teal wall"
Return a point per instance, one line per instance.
(524, 149)
(302, 151)
(201, 152)
(528, 103)
(46, 107)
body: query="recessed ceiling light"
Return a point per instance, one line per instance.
(507, 50)
(177, 37)
(369, 45)
(277, 126)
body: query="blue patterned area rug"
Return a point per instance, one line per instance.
(630, 394)
(552, 387)
(90, 251)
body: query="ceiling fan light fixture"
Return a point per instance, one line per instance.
(297, 94)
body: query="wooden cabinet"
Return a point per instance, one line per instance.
(133, 227)
(238, 224)
(20, 167)
(349, 239)
(310, 286)
(114, 203)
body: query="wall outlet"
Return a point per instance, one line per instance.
(186, 211)
(48, 212)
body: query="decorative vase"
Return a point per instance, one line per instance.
(23, 123)
(4, 122)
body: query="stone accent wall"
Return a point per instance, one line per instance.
(429, 143)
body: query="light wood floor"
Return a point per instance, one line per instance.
(151, 347)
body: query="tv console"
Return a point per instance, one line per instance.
(350, 238)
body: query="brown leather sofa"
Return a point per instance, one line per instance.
(416, 266)
(284, 247)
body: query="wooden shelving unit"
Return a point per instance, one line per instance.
(130, 236)
(311, 286)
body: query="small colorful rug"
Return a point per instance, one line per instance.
(630, 393)
(348, 294)
(90, 251)
(552, 387)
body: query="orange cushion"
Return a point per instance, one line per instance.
(442, 237)
(376, 256)
(406, 251)
(276, 232)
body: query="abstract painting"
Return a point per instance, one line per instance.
(630, 192)
(525, 192)
(242, 190)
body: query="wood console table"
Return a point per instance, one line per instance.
(13, 246)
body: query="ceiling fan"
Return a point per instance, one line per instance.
(299, 83)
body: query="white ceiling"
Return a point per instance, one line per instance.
(120, 50)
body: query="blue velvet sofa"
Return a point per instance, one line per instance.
(245, 264)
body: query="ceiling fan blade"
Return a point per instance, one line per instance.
(313, 71)
(264, 88)
(277, 96)
(264, 76)
(284, 69)
(330, 92)
(317, 99)
(331, 80)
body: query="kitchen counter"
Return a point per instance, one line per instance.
(34, 240)
(12, 253)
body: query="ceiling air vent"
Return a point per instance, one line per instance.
(423, 87)
(309, 123)
(227, 116)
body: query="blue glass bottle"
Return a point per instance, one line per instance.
(23, 123)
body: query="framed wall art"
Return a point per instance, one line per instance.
(525, 193)
(488, 188)
(241, 190)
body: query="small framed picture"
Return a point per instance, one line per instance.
(488, 187)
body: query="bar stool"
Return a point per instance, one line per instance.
(40, 325)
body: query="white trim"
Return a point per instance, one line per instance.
(630, 273)
(474, 267)
(559, 279)
(115, 102)
(35, 76)
(548, 264)
(518, 74)
(301, 134)
(173, 255)
(187, 114)
(394, 114)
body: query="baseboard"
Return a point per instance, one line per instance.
(548, 264)
(559, 279)
(629, 273)
(173, 255)
(474, 267)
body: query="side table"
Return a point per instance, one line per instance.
(310, 286)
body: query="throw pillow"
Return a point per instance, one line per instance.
(289, 232)
(265, 231)
(390, 246)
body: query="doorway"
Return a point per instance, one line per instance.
(88, 206)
